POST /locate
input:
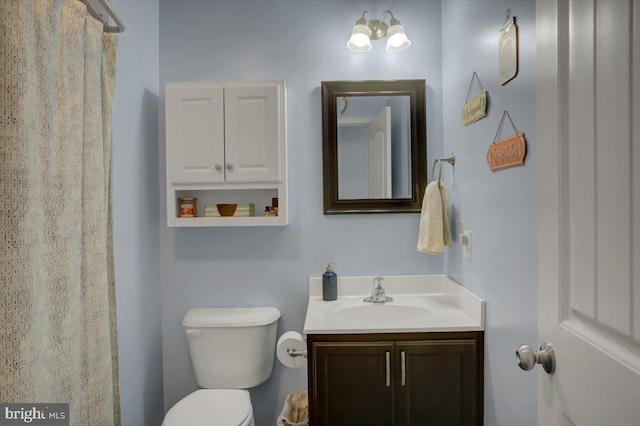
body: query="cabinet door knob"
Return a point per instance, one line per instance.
(527, 358)
(229, 166)
(218, 166)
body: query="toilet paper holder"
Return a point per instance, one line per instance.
(296, 353)
(292, 350)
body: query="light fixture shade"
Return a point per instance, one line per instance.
(360, 40)
(397, 40)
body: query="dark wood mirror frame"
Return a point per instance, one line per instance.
(331, 91)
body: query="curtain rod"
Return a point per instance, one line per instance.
(104, 4)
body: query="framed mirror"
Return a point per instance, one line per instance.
(374, 146)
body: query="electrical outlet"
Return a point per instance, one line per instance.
(464, 238)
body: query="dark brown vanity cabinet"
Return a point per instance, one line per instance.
(402, 379)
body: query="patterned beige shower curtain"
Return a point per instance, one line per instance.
(57, 304)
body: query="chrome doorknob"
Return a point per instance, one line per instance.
(527, 358)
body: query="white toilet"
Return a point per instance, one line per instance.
(231, 351)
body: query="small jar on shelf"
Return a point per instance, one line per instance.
(187, 207)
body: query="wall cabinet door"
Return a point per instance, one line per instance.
(354, 384)
(252, 134)
(195, 134)
(437, 383)
(434, 379)
(224, 134)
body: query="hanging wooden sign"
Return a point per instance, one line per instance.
(509, 152)
(476, 108)
(508, 50)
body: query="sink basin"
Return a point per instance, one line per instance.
(421, 303)
(383, 312)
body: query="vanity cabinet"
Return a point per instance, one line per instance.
(226, 143)
(396, 379)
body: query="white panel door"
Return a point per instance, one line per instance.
(252, 133)
(195, 133)
(380, 155)
(588, 196)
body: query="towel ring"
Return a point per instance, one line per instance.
(433, 169)
(450, 159)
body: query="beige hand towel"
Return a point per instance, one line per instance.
(445, 215)
(435, 231)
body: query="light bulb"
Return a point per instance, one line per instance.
(397, 40)
(360, 40)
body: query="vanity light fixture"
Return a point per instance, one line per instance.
(367, 29)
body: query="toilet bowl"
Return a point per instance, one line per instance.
(212, 407)
(231, 350)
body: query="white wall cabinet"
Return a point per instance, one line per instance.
(226, 143)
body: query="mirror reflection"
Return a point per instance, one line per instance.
(374, 147)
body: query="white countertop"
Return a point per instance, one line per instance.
(421, 303)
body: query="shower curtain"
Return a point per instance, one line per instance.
(57, 305)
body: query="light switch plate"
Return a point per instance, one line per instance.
(464, 238)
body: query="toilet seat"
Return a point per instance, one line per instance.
(212, 407)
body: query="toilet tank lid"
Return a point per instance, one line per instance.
(230, 317)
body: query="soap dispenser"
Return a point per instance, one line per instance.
(329, 283)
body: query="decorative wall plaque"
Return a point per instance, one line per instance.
(508, 49)
(509, 152)
(476, 108)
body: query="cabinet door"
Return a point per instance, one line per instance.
(353, 384)
(437, 383)
(253, 130)
(195, 134)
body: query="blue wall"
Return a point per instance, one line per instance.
(304, 43)
(498, 207)
(135, 214)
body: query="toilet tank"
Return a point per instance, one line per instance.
(231, 348)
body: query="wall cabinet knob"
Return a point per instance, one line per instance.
(218, 166)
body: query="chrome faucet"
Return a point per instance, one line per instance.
(377, 294)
